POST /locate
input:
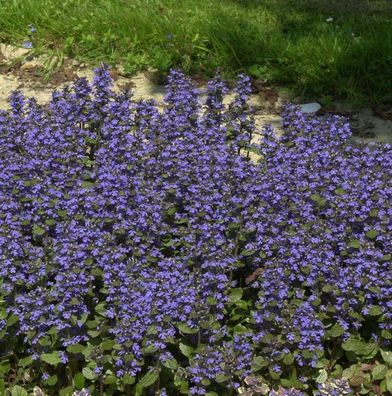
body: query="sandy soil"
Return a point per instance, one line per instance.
(20, 70)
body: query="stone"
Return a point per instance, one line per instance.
(28, 66)
(310, 108)
(11, 53)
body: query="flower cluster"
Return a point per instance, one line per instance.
(321, 211)
(127, 236)
(336, 387)
(286, 392)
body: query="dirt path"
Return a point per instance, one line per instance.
(19, 70)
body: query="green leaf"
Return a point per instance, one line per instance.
(383, 386)
(322, 377)
(87, 184)
(357, 379)
(169, 243)
(258, 363)
(372, 234)
(186, 350)
(375, 310)
(149, 378)
(354, 243)
(336, 331)
(87, 351)
(246, 252)
(108, 345)
(67, 391)
(388, 380)
(340, 191)
(128, 380)
(241, 304)
(386, 257)
(369, 350)
(181, 384)
(327, 288)
(387, 334)
(25, 361)
(171, 363)
(221, 378)
(387, 356)
(274, 375)
(93, 324)
(62, 213)
(37, 230)
(170, 211)
(348, 373)
(5, 367)
(18, 391)
(379, 372)
(88, 373)
(291, 383)
(52, 380)
(353, 345)
(12, 320)
(78, 381)
(184, 328)
(235, 295)
(147, 350)
(211, 300)
(52, 331)
(262, 254)
(51, 358)
(239, 328)
(110, 379)
(318, 199)
(45, 341)
(76, 348)
(288, 359)
(100, 309)
(75, 301)
(138, 390)
(152, 330)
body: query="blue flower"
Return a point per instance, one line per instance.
(28, 44)
(32, 28)
(276, 368)
(83, 392)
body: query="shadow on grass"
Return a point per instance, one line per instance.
(343, 7)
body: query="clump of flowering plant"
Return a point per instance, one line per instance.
(143, 251)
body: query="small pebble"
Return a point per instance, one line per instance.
(310, 107)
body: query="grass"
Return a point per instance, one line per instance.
(286, 42)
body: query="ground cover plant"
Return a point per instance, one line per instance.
(324, 48)
(142, 251)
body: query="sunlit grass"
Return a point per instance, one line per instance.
(318, 48)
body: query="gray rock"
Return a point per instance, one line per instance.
(310, 107)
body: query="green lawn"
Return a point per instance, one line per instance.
(291, 43)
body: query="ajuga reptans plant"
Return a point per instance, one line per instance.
(143, 252)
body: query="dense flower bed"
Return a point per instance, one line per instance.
(142, 251)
